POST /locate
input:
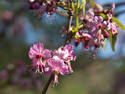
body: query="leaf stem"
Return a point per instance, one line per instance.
(83, 7)
(77, 12)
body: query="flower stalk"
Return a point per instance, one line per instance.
(77, 12)
(83, 7)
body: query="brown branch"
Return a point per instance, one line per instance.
(121, 4)
(117, 4)
(61, 13)
(45, 88)
(119, 13)
(63, 7)
(69, 34)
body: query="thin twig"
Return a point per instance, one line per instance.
(117, 4)
(69, 34)
(45, 88)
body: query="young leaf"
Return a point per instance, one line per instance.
(103, 48)
(77, 12)
(118, 23)
(83, 6)
(112, 40)
(72, 6)
(103, 15)
(93, 3)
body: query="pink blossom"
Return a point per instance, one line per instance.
(85, 39)
(86, 36)
(99, 39)
(37, 53)
(66, 53)
(90, 14)
(57, 65)
(114, 29)
(72, 55)
(96, 28)
(106, 34)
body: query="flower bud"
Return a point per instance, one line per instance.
(106, 34)
(77, 41)
(34, 5)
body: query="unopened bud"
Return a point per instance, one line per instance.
(76, 42)
(106, 34)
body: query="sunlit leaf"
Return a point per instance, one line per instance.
(72, 6)
(103, 48)
(118, 23)
(103, 15)
(93, 3)
(112, 40)
(84, 6)
(77, 12)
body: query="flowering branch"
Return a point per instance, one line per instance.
(91, 29)
(66, 42)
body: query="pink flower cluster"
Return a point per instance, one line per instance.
(57, 61)
(96, 28)
(42, 6)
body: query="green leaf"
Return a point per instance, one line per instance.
(83, 6)
(112, 40)
(77, 12)
(103, 15)
(118, 23)
(93, 3)
(72, 6)
(103, 48)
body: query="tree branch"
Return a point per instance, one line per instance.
(117, 4)
(45, 88)
(119, 13)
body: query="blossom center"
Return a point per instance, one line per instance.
(39, 56)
